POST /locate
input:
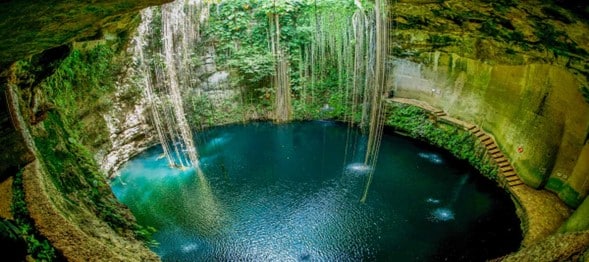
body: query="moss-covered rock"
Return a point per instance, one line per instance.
(578, 220)
(29, 27)
(69, 200)
(535, 111)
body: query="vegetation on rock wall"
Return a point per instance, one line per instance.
(585, 92)
(416, 123)
(79, 89)
(507, 32)
(241, 32)
(64, 107)
(64, 111)
(37, 246)
(82, 81)
(11, 239)
(578, 220)
(29, 27)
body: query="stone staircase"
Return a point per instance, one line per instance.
(507, 174)
(439, 113)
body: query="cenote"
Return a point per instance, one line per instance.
(291, 192)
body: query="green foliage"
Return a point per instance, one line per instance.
(501, 29)
(416, 123)
(254, 67)
(74, 172)
(458, 16)
(80, 85)
(440, 40)
(240, 32)
(81, 81)
(37, 246)
(416, 21)
(501, 6)
(201, 111)
(557, 14)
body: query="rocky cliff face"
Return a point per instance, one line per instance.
(204, 87)
(129, 120)
(30, 27)
(50, 118)
(518, 70)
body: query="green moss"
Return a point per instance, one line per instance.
(501, 6)
(77, 91)
(557, 41)
(554, 184)
(530, 173)
(568, 194)
(440, 40)
(38, 247)
(74, 173)
(579, 220)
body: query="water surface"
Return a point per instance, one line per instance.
(291, 193)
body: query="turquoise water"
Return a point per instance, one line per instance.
(291, 193)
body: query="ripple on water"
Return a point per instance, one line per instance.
(358, 168)
(432, 200)
(442, 214)
(432, 157)
(257, 206)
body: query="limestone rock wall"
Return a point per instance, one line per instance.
(535, 111)
(515, 68)
(129, 120)
(30, 27)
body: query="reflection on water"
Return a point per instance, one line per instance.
(281, 193)
(432, 157)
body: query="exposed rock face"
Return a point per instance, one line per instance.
(130, 120)
(80, 231)
(535, 111)
(514, 69)
(29, 27)
(216, 84)
(129, 132)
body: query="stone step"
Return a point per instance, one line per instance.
(512, 178)
(501, 160)
(515, 183)
(489, 142)
(484, 138)
(497, 155)
(506, 169)
(509, 173)
(471, 127)
(494, 149)
(504, 164)
(479, 134)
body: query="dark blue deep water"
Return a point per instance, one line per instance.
(291, 193)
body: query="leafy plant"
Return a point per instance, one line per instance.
(241, 32)
(37, 246)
